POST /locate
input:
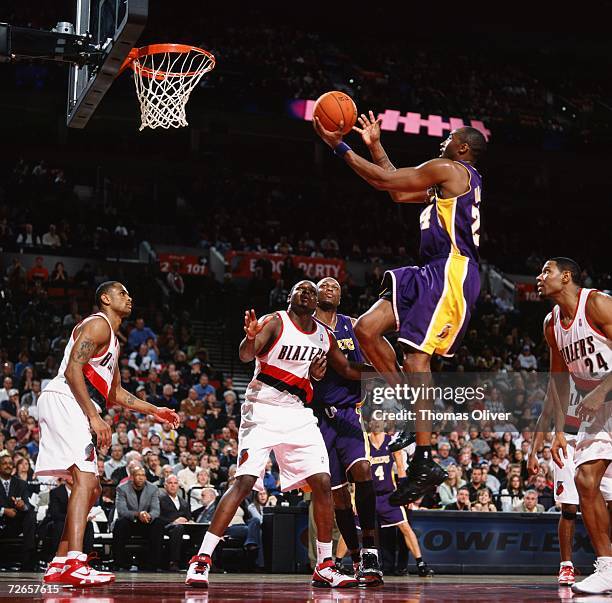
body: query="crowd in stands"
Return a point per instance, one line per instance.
(34, 193)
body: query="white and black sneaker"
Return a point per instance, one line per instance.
(369, 572)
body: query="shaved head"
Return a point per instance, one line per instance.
(474, 139)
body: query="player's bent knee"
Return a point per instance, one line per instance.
(585, 484)
(417, 363)
(320, 482)
(569, 515)
(244, 484)
(365, 330)
(342, 498)
(361, 471)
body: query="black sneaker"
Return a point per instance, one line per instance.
(424, 570)
(400, 440)
(345, 569)
(369, 572)
(423, 475)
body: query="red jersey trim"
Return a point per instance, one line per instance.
(300, 330)
(574, 316)
(96, 380)
(586, 314)
(585, 384)
(288, 379)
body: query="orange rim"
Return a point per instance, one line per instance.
(138, 53)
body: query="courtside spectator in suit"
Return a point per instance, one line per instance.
(137, 505)
(174, 512)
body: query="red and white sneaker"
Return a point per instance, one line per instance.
(53, 573)
(197, 573)
(78, 572)
(326, 575)
(567, 576)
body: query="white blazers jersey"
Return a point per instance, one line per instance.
(282, 374)
(98, 372)
(588, 355)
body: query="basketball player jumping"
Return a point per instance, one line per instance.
(68, 415)
(429, 306)
(579, 334)
(289, 348)
(336, 403)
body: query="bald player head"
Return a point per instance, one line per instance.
(329, 292)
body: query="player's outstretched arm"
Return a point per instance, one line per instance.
(259, 334)
(122, 397)
(344, 367)
(406, 180)
(370, 134)
(92, 339)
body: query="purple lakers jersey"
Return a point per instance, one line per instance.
(452, 226)
(334, 390)
(382, 467)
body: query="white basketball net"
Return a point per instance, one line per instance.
(164, 82)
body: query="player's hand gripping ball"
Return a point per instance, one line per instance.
(335, 111)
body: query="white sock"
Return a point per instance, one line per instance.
(373, 551)
(59, 560)
(209, 543)
(75, 555)
(566, 564)
(606, 559)
(324, 551)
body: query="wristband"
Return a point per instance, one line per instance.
(341, 149)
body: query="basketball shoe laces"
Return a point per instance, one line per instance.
(92, 570)
(202, 563)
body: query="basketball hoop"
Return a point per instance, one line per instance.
(165, 75)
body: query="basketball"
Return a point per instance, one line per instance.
(333, 107)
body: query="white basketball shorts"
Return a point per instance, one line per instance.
(65, 437)
(292, 432)
(565, 487)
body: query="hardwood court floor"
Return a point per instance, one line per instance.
(277, 588)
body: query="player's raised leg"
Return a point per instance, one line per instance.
(423, 473)
(370, 329)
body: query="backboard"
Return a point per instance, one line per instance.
(115, 26)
